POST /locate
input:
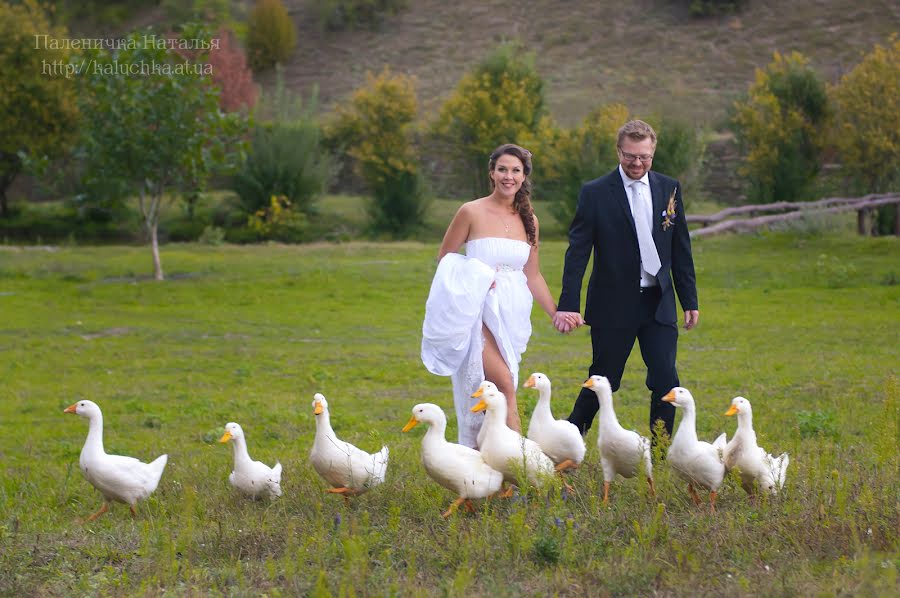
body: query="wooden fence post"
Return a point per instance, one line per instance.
(861, 222)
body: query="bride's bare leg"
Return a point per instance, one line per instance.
(496, 371)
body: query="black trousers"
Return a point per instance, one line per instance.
(612, 346)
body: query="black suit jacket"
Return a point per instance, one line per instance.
(603, 222)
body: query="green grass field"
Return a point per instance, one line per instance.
(805, 326)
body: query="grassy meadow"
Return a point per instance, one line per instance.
(803, 325)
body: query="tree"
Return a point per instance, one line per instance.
(38, 112)
(569, 158)
(867, 126)
(161, 130)
(867, 121)
(500, 101)
(375, 126)
(780, 126)
(271, 34)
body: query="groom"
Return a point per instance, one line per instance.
(633, 220)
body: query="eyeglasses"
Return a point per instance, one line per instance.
(632, 157)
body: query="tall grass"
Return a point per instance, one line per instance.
(248, 334)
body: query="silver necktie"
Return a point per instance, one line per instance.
(649, 257)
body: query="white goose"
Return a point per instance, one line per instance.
(559, 439)
(621, 450)
(457, 468)
(349, 470)
(504, 449)
(122, 479)
(252, 478)
(756, 465)
(696, 461)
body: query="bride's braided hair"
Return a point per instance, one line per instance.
(522, 201)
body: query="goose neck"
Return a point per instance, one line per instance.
(745, 426)
(94, 440)
(542, 407)
(435, 435)
(240, 450)
(323, 426)
(496, 415)
(437, 430)
(687, 429)
(607, 414)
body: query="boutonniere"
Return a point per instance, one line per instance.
(668, 214)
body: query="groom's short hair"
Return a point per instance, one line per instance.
(636, 130)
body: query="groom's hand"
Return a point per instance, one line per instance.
(691, 318)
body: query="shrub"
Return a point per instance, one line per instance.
(38, 110)
(213, 13)
(706, 8)
(284, 159)
(230, 72)
(212, 235)
(779, 126)
(680, 149)
(347, 14)
(866, 130)
(107, 12)
(375, 126)
(271, 35)
(569, 158)
(500, 101)
(279, 222)
(286, 156)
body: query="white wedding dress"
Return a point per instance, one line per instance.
(485, 285)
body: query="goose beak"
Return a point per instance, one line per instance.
(480, 406)
(588, 383)
(71, 408)
(412, 423)
(225, 437)
(529, 383)
(318, 410)
(478, 393)
(670, 397)
(732, 410)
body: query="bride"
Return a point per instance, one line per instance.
(478, 314)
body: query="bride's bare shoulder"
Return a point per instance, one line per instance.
(474, 207)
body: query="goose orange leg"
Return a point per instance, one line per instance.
(345, 492)
(102, 510)
(694, 496)
(453, 506)
(566, 465)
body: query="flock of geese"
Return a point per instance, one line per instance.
(551, 447)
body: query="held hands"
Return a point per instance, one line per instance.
(567, 321)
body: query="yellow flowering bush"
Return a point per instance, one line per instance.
(375, 127)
